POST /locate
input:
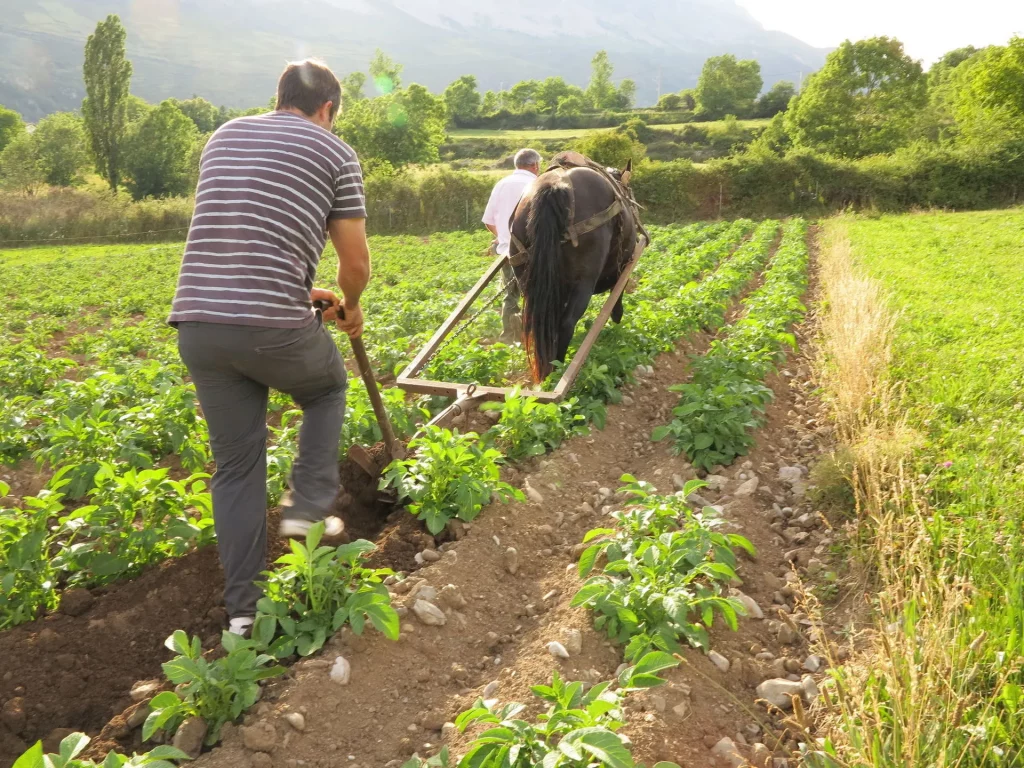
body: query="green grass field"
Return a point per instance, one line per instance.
(569, 133)
(950, 693)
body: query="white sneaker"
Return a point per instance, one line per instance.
(241, 625)
(297, 529)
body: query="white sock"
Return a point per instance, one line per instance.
(240, 624)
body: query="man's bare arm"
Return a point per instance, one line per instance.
(349, 239)
(492, 229)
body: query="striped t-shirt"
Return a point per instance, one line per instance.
(267, 186)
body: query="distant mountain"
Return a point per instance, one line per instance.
(231, 51)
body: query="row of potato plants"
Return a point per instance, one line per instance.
(726, 397)
(665, 568)
(315, 590)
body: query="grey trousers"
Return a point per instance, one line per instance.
(233, 368)
(511, 320)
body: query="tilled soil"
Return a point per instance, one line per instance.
(76, 671)
(498, 623)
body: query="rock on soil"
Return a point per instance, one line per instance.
(75, 602)
(261, 737)
(296, 721)
(512, 560)
(429, 614)
(719, 661)
(573, 641)
(747, 488)
(341, 671)
(145, 689)
(749, 605)
(726, 752)
(13, 714)
(790, 475)
(557, 650)
(779, 692)
(189, 736)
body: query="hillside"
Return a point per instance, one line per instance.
(230, 51)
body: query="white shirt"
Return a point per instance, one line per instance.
(504, 199)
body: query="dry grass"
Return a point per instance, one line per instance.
(902, 700)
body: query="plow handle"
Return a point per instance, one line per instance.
(393, 447)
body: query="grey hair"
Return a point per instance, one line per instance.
(527, 157)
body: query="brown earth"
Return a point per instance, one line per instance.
(76, 671)
(402, 693)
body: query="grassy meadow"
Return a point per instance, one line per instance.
(923, 340)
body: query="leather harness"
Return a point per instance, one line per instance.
(563, 163)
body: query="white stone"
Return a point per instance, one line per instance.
(296, 721)
(716, 482)
(790, 475)
(512, 560)
(490, 689)
(557, 650)
(429, 613)
(573, 641)
(726, 751)
(810, 687)
(779, 692)
(719, 661)
(143, 689)
(747, 488)
(749, 605)
(813, 663)
(533, 494)
(341, 671)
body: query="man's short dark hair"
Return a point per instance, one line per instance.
(307, 86)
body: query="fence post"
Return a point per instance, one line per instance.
(719, 198)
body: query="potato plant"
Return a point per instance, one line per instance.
(578, 728)
(664, 574)
(726, 398)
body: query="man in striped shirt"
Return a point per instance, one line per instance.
(271, 189)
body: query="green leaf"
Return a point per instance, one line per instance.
(31, 758)
(703, 441)
(607, 747)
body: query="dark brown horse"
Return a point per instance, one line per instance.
(568, 244)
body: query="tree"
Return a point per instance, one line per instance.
(384, 72)
(600, 91)
(19, 165)
(866, 100)
(552, 91)
(402, 127)
(61, 148)
(624, 97)
(612, 147)
(521, 96)
(942, 70)
(107, 77)
(462, 100)
(352, 86)
(11, 126)
(490, 104)
(727, 87)
(669, 102)
(571, 105)
(157, 152)
(689, 98)
(988, 95)
(776, 100)
(201, 112)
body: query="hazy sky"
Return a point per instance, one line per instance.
(928, 28)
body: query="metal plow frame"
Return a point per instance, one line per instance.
(467, 395)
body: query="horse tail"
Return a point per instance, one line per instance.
(542, 292)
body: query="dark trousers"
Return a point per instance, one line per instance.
(233, 368)
(511, 320)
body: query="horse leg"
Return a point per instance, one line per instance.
(617, 311)
(574, 310)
